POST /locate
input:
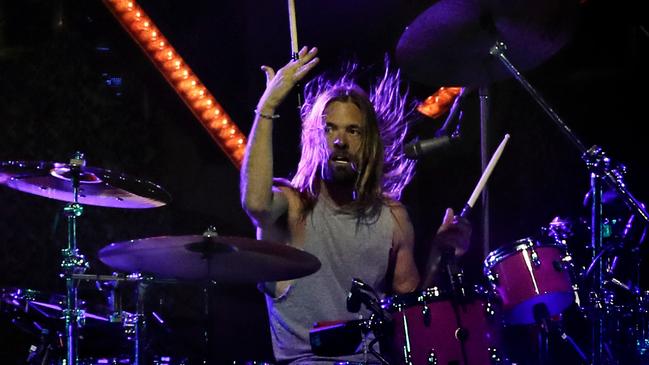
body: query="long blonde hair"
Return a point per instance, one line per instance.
(383, 169)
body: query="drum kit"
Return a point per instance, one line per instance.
(66, 324)
(575, 285)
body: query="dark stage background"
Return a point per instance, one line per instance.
(57, 56)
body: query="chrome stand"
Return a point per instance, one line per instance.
(73, 263)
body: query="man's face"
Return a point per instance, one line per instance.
(344, 128)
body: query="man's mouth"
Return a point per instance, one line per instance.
(343, 161)
(340, 160)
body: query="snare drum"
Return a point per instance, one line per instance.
(527, 275)
(430, 328)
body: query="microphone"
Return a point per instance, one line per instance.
(353, 301)
(417, 149)
(362, 293)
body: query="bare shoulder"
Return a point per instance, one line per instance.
(403, 230)
(399, 211)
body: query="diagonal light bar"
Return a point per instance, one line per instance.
(180, 76)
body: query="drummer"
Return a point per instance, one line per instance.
(341, 205)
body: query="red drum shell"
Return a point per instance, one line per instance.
(527, 274)
(431, 323)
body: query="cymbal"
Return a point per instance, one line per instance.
(219, 258)
(98, 186)
(449, 43)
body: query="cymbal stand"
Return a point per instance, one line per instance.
(73, 263)
(601, 171)
(140, 324)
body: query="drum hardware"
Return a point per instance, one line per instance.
(362, 293)
(78, 184)
(434, 30)
(602, 171)
(456, 280)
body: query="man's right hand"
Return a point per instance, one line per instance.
(280, 83)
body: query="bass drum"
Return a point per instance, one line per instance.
(433, 327)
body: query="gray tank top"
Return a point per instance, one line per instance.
(346, 250)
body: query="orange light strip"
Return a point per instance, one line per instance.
(440, 102)
(180, 76)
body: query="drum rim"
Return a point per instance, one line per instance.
(501, 253)
(397, 302)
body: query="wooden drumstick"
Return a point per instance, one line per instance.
(295, 55)
(293, 29)
(485, 176)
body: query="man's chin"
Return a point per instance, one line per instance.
(340, 175)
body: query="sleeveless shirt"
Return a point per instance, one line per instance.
(347, 249)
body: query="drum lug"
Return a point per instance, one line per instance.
(432, 358)
(425, 312)
(494, 356)
(492, 277)
(489, 309)
(534, 257)
(563, 264)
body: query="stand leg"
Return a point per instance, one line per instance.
(484, 161)
(598, 300)
(542, 318)
(140, 326)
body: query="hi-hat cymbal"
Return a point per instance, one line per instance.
(449, 43)
(96, 186)
(218, 258)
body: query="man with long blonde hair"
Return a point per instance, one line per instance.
(341, 205)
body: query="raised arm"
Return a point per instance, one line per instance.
(261, 202)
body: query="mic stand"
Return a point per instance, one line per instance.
(600, 172)
(484, 152)
(455, 276)
(73, 263)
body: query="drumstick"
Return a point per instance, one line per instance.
(295, 55)
(485, 176)
(293, 29)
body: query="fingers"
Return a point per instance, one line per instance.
(296, 69)
(302, 71)
(270, 73)
(448, 216)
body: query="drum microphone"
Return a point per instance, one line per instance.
(417, 149)
(361, 293)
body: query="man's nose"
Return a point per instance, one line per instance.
(340, 142)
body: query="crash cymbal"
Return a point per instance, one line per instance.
(97, 186)
(218, 258)
(449, 43)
